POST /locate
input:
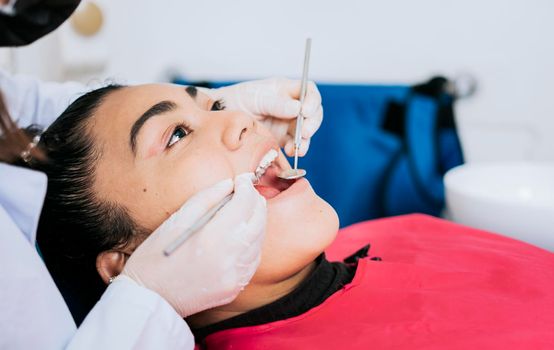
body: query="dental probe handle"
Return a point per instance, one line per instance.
(303, 88)
(204, 219)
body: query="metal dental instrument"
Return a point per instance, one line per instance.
(296, 173)
(204, 219)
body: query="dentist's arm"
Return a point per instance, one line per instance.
(144, 307)
(32, 101)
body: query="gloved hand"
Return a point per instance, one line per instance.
(275, 103)
(214, 264)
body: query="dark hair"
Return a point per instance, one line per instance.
(75, 225)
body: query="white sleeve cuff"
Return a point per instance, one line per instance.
(129, 316)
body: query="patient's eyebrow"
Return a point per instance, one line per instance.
(157, 109)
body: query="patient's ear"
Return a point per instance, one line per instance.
(110, 264)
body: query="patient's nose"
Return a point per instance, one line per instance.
(238, 126)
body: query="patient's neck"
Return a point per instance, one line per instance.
(255, 295)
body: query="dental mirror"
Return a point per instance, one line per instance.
(296, 173)
(292, 174)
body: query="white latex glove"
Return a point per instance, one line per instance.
(214, 264)
(275, 103)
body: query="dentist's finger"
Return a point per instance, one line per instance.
(245, 180)
(196, 206)
(241, 206)
(312, 101)
(312, 123)
(251, 256)
(278, 106)
(293, 87)
(304, 145)
(245, 252)
(251, 253)
(289, 146)
(254, 229)
(302, 150)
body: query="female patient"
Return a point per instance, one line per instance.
(135, 154)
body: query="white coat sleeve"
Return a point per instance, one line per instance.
(129, 316)
(33, 314)
(32, 101)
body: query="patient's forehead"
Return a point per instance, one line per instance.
(130, 102)
(120, 109)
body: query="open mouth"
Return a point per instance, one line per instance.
(269, 185)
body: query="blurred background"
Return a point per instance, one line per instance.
(506, 46)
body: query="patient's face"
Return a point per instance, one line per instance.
(188, 145)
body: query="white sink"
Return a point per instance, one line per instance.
(515, 199)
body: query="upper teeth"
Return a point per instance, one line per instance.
(266, 161)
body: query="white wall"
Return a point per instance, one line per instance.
(507, 45)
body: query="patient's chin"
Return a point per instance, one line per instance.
(296, 235)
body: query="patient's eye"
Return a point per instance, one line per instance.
(218, 105)
(179, 132)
